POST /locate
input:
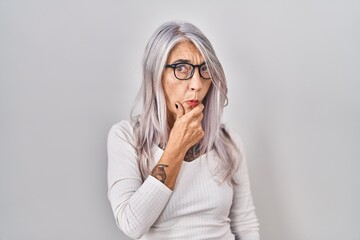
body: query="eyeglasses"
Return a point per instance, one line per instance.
(185, 71)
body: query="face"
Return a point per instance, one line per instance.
(187, 92)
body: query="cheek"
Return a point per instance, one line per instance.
(207, 87)
(174, 90)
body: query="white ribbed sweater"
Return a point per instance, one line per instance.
(198, 207)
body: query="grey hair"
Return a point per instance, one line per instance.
(151, 128)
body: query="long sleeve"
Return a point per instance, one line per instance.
(136, 204)
(244, 222)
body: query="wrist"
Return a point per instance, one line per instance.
(175, 151)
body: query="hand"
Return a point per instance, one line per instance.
(187, 129)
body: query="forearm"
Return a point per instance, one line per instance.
(168, 167)
(186, 131)
(137, 205)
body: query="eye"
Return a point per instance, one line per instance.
(182, 68)
(204, 68)
(204, 72)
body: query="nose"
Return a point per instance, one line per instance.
(196, 82)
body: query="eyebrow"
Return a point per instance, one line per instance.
(184, 61)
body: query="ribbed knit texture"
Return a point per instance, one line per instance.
(198, 208)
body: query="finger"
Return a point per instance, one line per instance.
(180, 111)
(187, 108)
(197, 110)
(201, 116)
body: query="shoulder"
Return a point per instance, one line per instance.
(122, 126)
(122, 131)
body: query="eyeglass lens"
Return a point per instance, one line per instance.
(185, 71)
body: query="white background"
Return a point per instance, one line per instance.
(71, 69)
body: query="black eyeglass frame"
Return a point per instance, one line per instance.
(173, 66)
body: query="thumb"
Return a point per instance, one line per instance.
(180, 111)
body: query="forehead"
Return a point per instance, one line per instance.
(185, 50)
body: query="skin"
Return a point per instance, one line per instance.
(184, 121)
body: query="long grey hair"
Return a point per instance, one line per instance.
(151, 128)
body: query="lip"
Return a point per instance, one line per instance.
(192, 103)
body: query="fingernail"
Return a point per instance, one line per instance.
(176, 106)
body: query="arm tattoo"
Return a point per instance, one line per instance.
(159, 172)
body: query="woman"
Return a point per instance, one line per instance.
(175, 172)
